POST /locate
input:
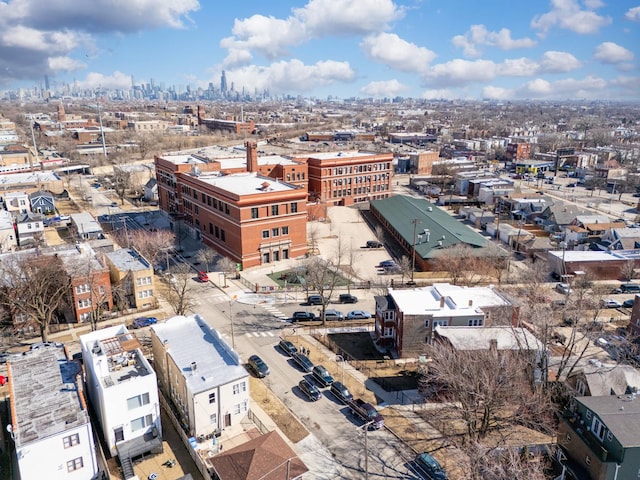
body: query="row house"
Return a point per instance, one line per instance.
(406, 319)
(132, 278)
(50, 424)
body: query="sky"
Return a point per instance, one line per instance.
(434, 49)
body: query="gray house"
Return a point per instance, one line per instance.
(42, 202)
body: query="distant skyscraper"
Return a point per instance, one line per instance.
(46, 82)
(223, 83)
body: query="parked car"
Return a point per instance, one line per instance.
(314, 300)
(387, 263)
(331, 314)
(347, 298)
(358, 315)
(310, 390)
(258, 366)
(374, 244)
(563, 288)
(610, 303)
(429, 466)
(203, 277)
(303, 362)
(322, 375)
(628, 288)
(341, 392)
(303, 316)
(629, 303)
(287, 347)
(38, 345)
(144, 322)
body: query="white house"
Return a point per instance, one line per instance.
(30, 227)
(50, 425)
(17, 202)
(8, 238)
(123, 390)
(201, 374)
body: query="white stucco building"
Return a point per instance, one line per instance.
(201, 374)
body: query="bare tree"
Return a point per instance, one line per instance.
(628, 271)
(491, 463)
(461, 263)
(151, 245)
(228, 267)
(207, 256)
(34, 289)
(405, 266)
(121, 181)
(178, 291)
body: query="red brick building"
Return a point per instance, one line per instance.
(518, 151)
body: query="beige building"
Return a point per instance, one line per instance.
(132, 279)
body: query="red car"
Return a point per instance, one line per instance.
(203, 277)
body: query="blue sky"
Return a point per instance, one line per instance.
(508, 50)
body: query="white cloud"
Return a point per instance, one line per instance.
(291, 76)
(387, 88)
(479, 35)
(497, 93)
(27, 38)
(67, 64)
(272, 37)
(461, 72)
(115, 80)
(393, 51)
(518, 67)
(440, 94)
(633, 14)
(588, 87)
(569, 15)
(612, 53)
(558, 62)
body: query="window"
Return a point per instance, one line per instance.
(442, 323)
(75, 464)
(238, 387)
(294, 208)
(426, 323)
(82, 288)
(222, 235)
(118, 433)
(85, 303)
(213, 418)
(285, 230)
(265, 234)
(274, 209)
(71, 440)
(610, 436)
(581, 387)
(145, 293)
(137, 401)
(237, 409)
(476, 322)
(588, 415)
(140, 423)
(212, 397)
(275, 232)
(254, 212)
(598, 428)
(285, 254)
(388, 332)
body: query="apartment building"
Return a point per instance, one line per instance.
(249, 217)
(123, 391)
(406, 319)
(347, 178)
(50, 424)
(202, 375)
(132, 275)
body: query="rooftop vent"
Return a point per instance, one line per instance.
(194, 366)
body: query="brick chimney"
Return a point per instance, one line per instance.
(252, 156)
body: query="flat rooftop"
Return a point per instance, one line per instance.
(190, 339)
(479, 338)
(44, 394)
(245, 183)
(338, 155)
(125, 260)
(595, 256)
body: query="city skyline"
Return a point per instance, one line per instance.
(561, 49)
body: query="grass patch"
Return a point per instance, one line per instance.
(295, 277)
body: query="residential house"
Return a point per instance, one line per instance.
(589, 229)
(622, 238)
(201, 374)
(90, 294)
(50, 424)
(406, 318)
(16, 202)
(267, 457)
(85, 227)
(558, 216)
(8, 237)
(42, 202)
(151, 190)
(123, 391)
(600, 437)
(132, 278)
(30, 228)
(597, 379)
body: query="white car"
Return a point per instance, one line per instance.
(610, 303)
(563, 288)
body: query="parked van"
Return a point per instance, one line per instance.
(628, 288)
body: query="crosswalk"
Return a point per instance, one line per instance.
(275, 312)
(262, 334)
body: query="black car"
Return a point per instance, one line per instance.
(341, 392)
(303, 316)
(303, 362)
(314, 300)
(373, 244)
(287, 347)
(430, 467)
(258, 366)
(347, 298)
(322, 376)
(310, 390)
(629, 303)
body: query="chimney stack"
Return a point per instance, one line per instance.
(442, 302)
(252, 156)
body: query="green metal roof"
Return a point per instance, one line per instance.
(400, 211)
